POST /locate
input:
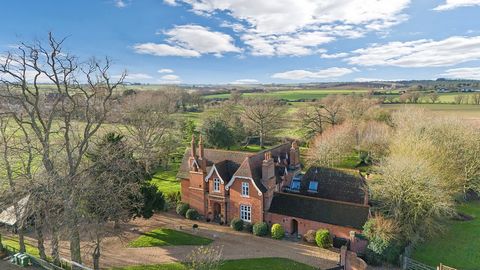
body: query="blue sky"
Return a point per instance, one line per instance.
(250, 41)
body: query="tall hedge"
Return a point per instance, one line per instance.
(237, 224)
(277, 231)
(323, 239)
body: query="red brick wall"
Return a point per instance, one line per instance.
(185, 184)
(210, 185)
(236, 199)
(305, 225)
(196, 192)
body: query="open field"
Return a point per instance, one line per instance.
(166, 180)
(459, 247)
(292, 94)
(245, 264)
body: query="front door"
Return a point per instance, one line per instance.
(217, 212)
(294, 227)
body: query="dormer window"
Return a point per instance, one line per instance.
(245, 189)
(216, 185)
(313, 186)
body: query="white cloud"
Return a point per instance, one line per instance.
(334, 55)
(190, 41)
(170, 77)
(419, 53)
(165, 70)
(452, 4)
(170, 2)
(301, 74)
(277, 27)
(134, 77)
(120, 3)
(164, 50)
(472, 73)
(245, 81)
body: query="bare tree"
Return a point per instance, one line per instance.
(433, 97)
(263, 116)
(63, 118)
(475, 98)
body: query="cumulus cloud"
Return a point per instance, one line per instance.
(419, 53)
(164, 50)
(120, 3)
(245, 81)
(170, 2)
(190, 41)
(472, 73)
(165, 70)
(452, 4)
(298, 27)
(170, 77)
(300, 74)
(334, 55)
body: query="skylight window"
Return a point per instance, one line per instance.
(313, 186)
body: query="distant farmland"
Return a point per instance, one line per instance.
(291, 95)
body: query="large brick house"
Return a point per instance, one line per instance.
(269, 186)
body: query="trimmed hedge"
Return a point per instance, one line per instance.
(323, 239)
(248, 227)
(237, 224)
(277, 231)
(182, 209)
(260, 229)
(192, 214)
(309, 237)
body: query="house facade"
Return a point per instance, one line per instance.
(269, 186)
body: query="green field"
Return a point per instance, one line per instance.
(13, 242)
(168, 237)
(166, 180)
(459, 247)
(292, 95)
(245, 264)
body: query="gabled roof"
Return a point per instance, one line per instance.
(321, 210)
(334, 184)
(8, 216)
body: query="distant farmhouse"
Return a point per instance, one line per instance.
(269, 186)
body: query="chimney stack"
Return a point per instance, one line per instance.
(192, 147)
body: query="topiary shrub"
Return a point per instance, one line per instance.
(182, 209)
(248, 227)
(260, 229)
(192, 214)
(277, 231)
(237, 224)
(309, 237)
(323, 239)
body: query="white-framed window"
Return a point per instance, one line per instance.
(245, 189)
(216, 184)
(246, 213)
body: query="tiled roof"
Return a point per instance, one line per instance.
(321, 210)
(334, 184)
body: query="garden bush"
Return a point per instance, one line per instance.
(248, 227)
(323, 239)
(260, 229)
(182, 208)
(237, 224)
(277, 231)
(192, 214)
(309, 237)
(173, 198)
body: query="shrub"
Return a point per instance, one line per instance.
(323, 239)
(192, 214)
(248, 227)
(237, 224)
(309, 237)
(205, 258)
(277, 231)
(182, 208)
(260, 229)
(173, 198)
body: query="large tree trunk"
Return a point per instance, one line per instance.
(40, 239)
(21, 239)
(96, 255)
(75, 252)
(55, 255)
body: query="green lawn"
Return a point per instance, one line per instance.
(166, 180)
(168, 237)
(459, 247)
(31, 249)
(245, 264)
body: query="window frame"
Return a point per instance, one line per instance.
(245, 187)
(216, 183)
(246, 212)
